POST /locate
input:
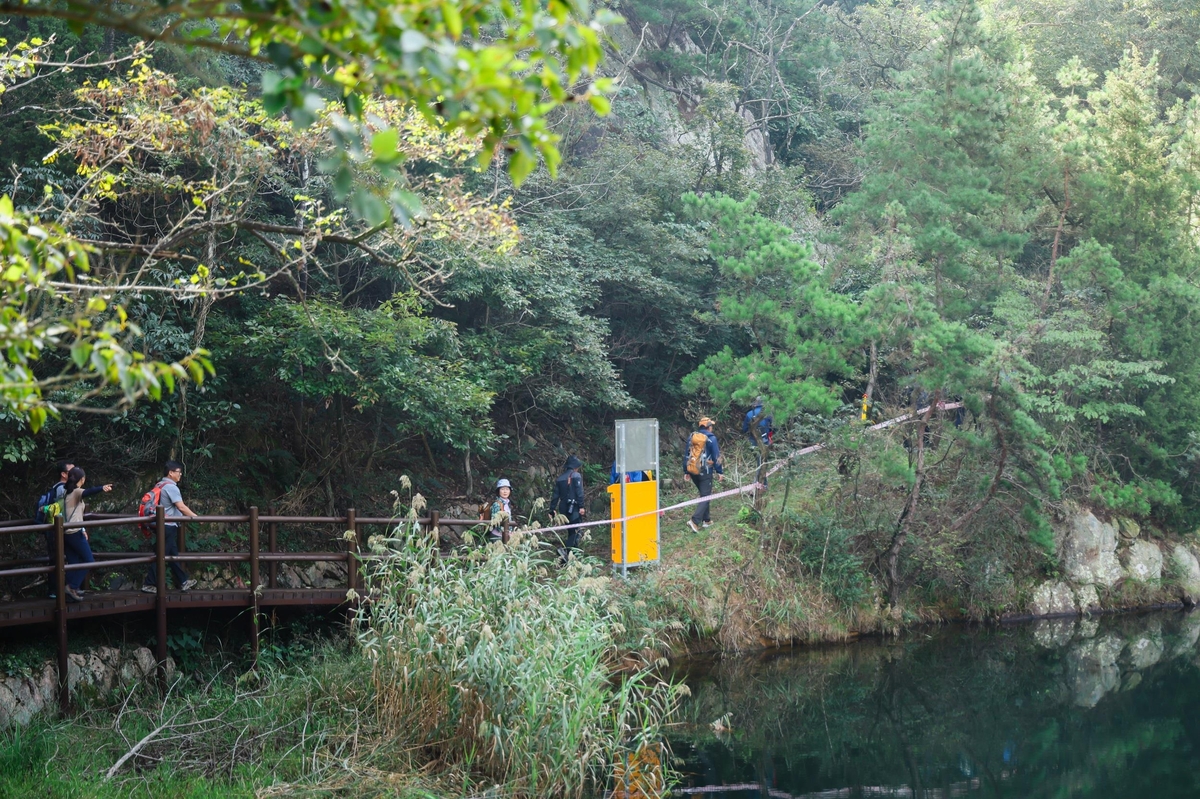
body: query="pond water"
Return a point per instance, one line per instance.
(1104, 707)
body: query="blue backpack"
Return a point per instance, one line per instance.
(50, 505)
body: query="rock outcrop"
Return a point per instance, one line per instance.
(1053, 599)
(1092, 669)
(1187, 568)
(22, 696)
(320, 574)
(1087, 599)
(1089, 553)
(1143, 561)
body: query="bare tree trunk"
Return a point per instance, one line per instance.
(1062, 218)
(872, 374)
(995, 486)
(892, 556)
(467, 464)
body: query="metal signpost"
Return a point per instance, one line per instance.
(637, 451)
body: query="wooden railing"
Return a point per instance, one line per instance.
(258, 593)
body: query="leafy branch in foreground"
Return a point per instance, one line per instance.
(495, 68)
(37, 318)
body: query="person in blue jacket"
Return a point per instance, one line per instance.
(701, 460)
(567, 500)
(760, 429)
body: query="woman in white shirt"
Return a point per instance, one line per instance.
(75, 540)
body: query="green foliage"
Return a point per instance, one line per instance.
(490, 69)
(391, 357)
(40, 314)
(827, 551)
(777, 295)
(503, 665)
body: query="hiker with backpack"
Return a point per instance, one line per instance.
(567, 501)
(75, 539)
(701, 461)
(54, 495)
(501, 512)
(760, 429)
(166, 493)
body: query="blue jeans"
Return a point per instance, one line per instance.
(77, 549)
(171, 533)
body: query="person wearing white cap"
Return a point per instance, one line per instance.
(501, 511)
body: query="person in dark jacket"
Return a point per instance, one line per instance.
(701, 472)
(760, 429)
(567, 500)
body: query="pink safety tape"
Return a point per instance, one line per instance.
(941, 406)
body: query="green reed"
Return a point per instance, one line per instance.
(505, 666)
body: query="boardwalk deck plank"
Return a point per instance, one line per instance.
(105, 603)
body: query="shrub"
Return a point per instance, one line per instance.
(501, 664)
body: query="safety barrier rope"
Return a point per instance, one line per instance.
(745, 489)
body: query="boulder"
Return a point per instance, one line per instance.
(1187, 568)
(1087, 599)
(1128, 528)
(1188, 634)
(1053, 599)
(1053, 633)
(1088, 628)
(101, 670)
(1143, 561)
(1145, 649)
(1089, 551)
(1092, 669)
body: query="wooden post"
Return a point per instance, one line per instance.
(352, 580)
(255, 583)
(160, 597)
(272, 546)
(60, 612)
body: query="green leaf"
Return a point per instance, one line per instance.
(385, 145)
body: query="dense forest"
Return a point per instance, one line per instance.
(824, 204)
(380, 253)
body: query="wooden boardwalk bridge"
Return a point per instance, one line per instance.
(262, 590)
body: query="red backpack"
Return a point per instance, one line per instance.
(147, 507)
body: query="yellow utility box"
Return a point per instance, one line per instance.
(641, 534)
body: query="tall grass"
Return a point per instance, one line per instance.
(503, 665)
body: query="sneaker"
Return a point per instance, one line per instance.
(707, 524)
(73, 595)
(149, 589)
(692, 525)
(188, 585)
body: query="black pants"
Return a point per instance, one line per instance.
(704, 484)
(574, 533)
(171, 533)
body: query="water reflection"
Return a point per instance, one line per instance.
(1063, 708)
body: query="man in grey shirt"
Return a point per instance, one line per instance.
(173, 508)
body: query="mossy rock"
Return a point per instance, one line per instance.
(1129, 528)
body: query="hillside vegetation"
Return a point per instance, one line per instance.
(826, 205)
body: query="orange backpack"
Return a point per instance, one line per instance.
(695, 460)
